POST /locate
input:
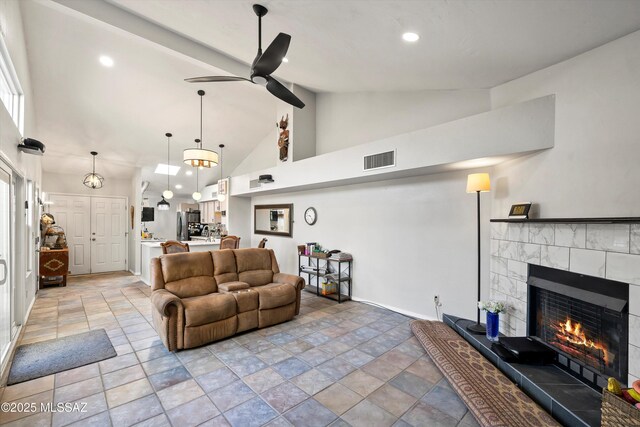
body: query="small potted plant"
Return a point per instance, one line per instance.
(493, 309)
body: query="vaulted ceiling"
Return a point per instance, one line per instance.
(337, 46)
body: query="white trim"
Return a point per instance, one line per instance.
(15, 341)
(396, 309)
(8, 70)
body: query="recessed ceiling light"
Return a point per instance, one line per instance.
(106, 61)
(178, 187)
(188, 173)
(163, 169)
(410, 37)
(285, 60)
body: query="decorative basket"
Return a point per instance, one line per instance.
(617, 412)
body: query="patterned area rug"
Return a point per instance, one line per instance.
(44, 358)
(492, 398)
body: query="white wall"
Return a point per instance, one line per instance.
(410, 238)
(72, 184)
(348, 119)
(27, 166)
(264, 156)
(593, 169)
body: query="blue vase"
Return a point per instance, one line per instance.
(493, 326)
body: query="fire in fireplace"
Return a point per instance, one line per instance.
(584, 318)
(572, 339)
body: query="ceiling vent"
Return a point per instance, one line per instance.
(380, 160)
(255, 183)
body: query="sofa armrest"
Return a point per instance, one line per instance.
(163, 299)
(225, 288)
(296, 281)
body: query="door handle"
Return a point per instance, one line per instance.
(3, 263)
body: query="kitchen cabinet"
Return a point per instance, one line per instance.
(208, 211)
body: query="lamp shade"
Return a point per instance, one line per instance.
(478, 182)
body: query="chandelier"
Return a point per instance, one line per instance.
(199, 157)
(93, 180)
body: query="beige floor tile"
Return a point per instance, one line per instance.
(128, 392)
(338, 398)
(392, 400)
(180, 393)
(28, 388)
(361, 382)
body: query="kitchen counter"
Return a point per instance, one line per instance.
(152, 250)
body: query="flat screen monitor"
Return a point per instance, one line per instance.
(147, 214)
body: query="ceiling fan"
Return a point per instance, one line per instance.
(263, 65)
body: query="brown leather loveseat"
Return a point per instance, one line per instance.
(201, 297)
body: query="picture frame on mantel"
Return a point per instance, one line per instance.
(520, 210)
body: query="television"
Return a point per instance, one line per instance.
(147, 214)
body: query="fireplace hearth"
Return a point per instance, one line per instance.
(585, 319)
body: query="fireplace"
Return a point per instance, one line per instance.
(585, 319)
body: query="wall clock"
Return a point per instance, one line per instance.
(310, 216)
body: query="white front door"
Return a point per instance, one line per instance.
(73, 214)
(108, 234)
(5, 261)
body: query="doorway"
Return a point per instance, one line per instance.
(6, 265)
(96, 231)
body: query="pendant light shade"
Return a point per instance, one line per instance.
(222, 196)
(93, 180)
(163, 205)
(199, 157)
(167, 194)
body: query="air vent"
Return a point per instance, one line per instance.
(380, 160)
(255, 183)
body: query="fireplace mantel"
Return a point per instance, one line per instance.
(612, 220)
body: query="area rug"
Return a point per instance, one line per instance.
(44, 358)
(490, 396)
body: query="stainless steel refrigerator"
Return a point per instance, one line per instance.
(188, 224)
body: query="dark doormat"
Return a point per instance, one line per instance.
(44, 358)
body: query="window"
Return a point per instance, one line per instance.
(11, 93)
(29, 228)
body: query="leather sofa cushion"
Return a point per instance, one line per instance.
(232, 286)
(192, 287)
(224, 263)
(276, 295)
(246, 300)
(252, 259)
(256, 277)
(186, 265)
(208, 309)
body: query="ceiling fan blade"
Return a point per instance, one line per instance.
(207, 79)
(279, 90)
(272, 56)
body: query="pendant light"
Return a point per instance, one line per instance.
(168, 194)
(221, 196)
(199, 157)
(196, 194)
(93, 180)
(163, 205)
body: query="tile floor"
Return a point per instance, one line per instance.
(348, 364)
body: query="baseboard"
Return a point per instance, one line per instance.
(396, 309)
(135, 273)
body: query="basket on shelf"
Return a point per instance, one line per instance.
(54, 238)
(618, 412)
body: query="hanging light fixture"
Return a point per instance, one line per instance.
(222, 196)
(199, 157)
(93, 180)
(196, 194)
(168, 194)
(163, 205)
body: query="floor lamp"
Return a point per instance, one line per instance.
(478, 183)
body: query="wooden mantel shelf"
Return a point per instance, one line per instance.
(612, 220)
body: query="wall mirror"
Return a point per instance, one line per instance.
(273, 219)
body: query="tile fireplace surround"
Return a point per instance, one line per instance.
(611, 251)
